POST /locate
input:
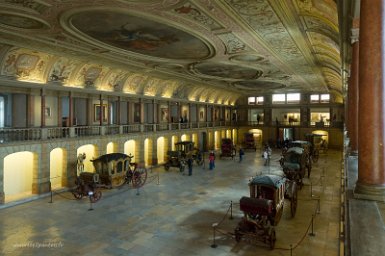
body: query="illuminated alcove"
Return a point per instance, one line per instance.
(160, 145)
(235, 137)
(257, 135)
(111, 148)
(210, 140)
(148, 152)
(90, 151)
(228, 134)
(217, 139)
(174, 139)
(130, 148)
(57, 167)
(185, 137)
(325, 136)
(194, 138)
(18, 172)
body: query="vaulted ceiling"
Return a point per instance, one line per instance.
(202, 50)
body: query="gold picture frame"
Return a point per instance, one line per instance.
(97, 110)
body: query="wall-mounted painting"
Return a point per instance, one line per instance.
(47, 112)
(97, 110)
(201, 115)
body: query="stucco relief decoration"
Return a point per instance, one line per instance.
(227, 71)
(151, 87)
(134, 83)
(23, 66)
(88, 75)
(62, 69)
(191, 11)
(115, 81)
(232, 43)
(140, 35)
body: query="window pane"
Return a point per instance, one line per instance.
(314, 98)
(251, 100)
(293, 97)
(325, 97)
(279, 98)
(260, 100)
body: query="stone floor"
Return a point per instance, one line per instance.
(176, 216)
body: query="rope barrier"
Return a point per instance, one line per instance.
(224, 232)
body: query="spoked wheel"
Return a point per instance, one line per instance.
(294, 200)
(272, 238)
(139, 177)
(96, 196)
(77, 192)
(238, 235)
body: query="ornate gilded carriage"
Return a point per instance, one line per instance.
(249, 142)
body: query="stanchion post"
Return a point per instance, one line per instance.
(50, 189)
(90, 193)
(312, 226)
(158, 179)
(231, 210)
(291, 250)
(214, 245)
(137, 191)
(318, 205)
(311, 189)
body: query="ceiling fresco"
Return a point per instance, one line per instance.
(200, 50)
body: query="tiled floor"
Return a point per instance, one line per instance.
(176, 216)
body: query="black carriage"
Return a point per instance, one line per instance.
(263, 209)
(175, 159)
(294, 164)
(318, 143)
(307, 152)
(227, 148)
(249, 142)
(87, 185)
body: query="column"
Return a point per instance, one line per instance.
(155, 111)
(42, 108)
(2, 195)
(59, 111)
(29, 111)
(353, 94)
(101, 112)
(70, 110)
(118, 118)
(371, 165)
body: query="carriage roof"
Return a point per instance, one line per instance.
(268, 180)
(295, 150)
(110, 157)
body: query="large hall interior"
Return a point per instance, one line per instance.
(195, 127)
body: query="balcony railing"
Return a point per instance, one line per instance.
(9, 135)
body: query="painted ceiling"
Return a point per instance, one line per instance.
(201, 50)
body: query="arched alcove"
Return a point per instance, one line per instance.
(57, 167)
(130, 148)
(90, 151)
(160, 145)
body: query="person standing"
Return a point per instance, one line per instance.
(241, 154)
(212, 160)
(189, 164)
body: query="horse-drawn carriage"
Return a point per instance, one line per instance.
(294, 164)
(317, 143)
(178, 158)
(249, 141)
(307, 152)
(227, 148)
(263, 209)
(111, 171)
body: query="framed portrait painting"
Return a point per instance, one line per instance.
(97, 109)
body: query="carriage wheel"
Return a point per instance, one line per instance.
(96, 196)
(272, 238)
(294, 200)
(139, 177)
(77, 192)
